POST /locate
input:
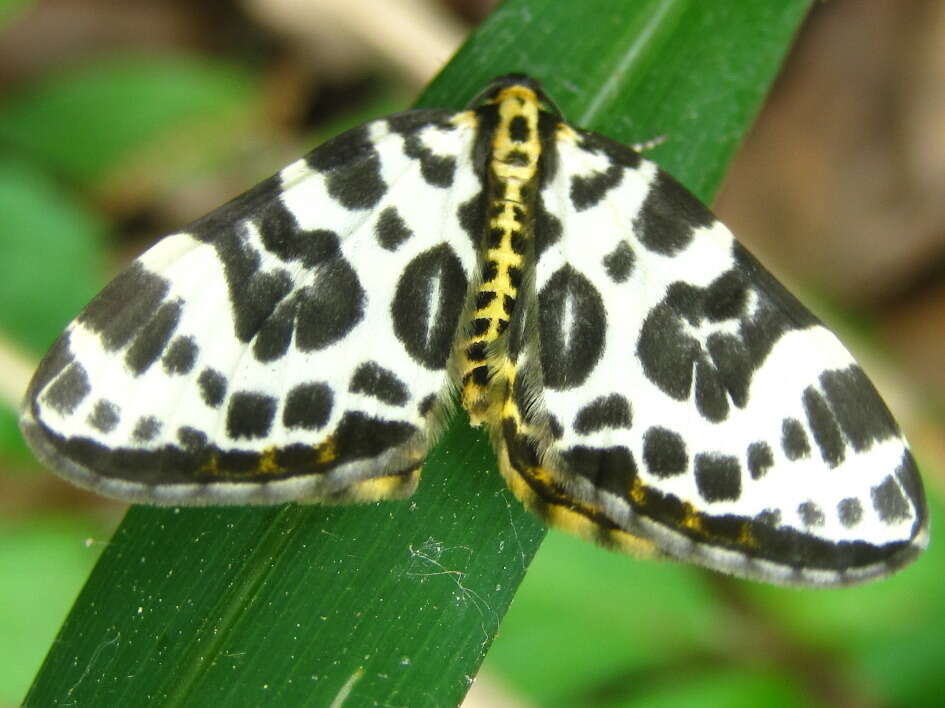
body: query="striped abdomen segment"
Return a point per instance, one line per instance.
(512, 177)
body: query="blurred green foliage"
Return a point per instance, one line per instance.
(44, 559)
(79, 123)
(587, 627)
(591, 628)
(53, 254)
(10, 10)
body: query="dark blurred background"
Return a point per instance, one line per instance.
(121, 121)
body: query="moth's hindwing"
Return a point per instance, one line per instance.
(671, 391)
(291, 345)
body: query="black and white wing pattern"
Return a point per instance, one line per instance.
(291, 345)
(672, 396)
(647, 383)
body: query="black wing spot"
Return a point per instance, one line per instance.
(124, 305)
(391, 229)
(889, 501)
(619, 262)
(711, 396)
(105, 416)
(54, 363)
(617, 153)
(212, 387)
(760, 459)
(908, 476)
(718, 477)
(850, 511)
(180, 356)
(668, 217)
(275, 333)
(308, 406)
(146, 429)
(811, 514)
(726, 297)
(667, 352)
(153, 338)
(794, 439)
(352, 168)
(281, 235)
(610, 469)
(257, 299)
(547, 227)
(437, 170)
(472, 218)
(330, 308)
(587, 191)
(769, 518)
(611, 411)
(733, 363)
(68, 390)
(192, 440)
(427, 326)
(824, 427)
(572, 323)
(250, 415)
(664, 452)
(360, 436)
(858, 408)
(374, 380)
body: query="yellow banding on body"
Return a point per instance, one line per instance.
(512, 174)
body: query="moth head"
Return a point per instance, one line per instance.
(509, 85)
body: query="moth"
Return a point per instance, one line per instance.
(647, 384)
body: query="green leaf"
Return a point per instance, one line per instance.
(396, 603)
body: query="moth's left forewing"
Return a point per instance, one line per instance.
(291, 345)
(688, 399)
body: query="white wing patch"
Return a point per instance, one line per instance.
(648, 384)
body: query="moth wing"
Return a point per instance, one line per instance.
(670, 395)
(291, 345)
